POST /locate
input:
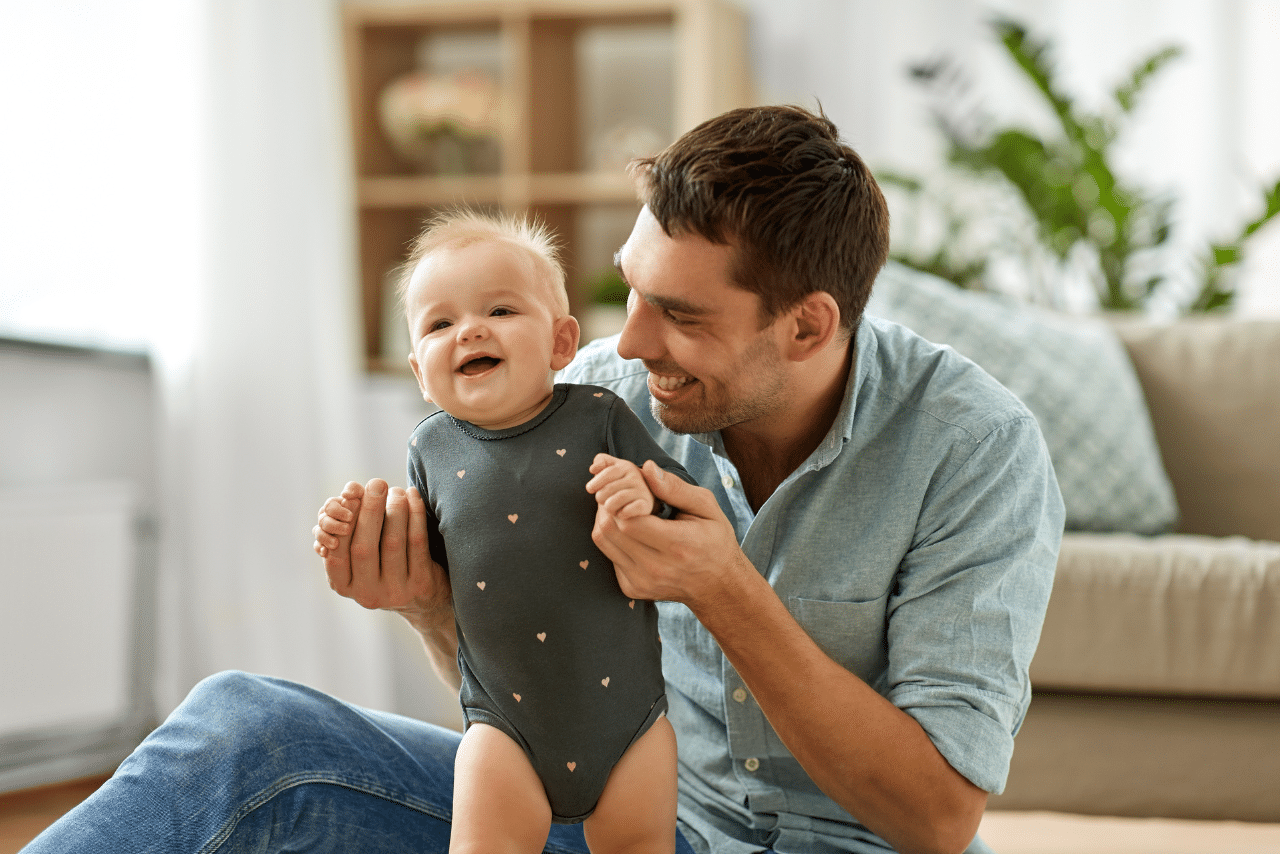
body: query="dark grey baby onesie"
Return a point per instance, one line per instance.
(551, 651)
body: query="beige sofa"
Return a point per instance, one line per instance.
(1157, 678)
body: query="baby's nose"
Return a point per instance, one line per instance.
(472, 330)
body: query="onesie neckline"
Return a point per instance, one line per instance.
(559, 392)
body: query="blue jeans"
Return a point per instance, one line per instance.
(250, 763)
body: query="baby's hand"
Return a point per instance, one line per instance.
(336, 520)
(619, 487)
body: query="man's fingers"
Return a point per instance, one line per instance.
(684, 496)
(419, 550)
(395, 534)
(365, 552)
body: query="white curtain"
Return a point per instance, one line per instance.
(1207, 128)
(261, 394)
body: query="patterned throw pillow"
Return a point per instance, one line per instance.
(1075, 377)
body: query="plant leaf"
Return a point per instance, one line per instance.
(1126, 93)
(1271, 199)
(1224, 254)
(1031, 55)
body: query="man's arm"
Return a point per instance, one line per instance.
(867, 755)
(375, 549)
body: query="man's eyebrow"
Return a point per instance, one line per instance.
(671, 304)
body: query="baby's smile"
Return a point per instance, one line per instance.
(478, 365)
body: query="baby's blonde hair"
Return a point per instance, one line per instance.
(456, 229)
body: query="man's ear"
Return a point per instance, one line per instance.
(815, 323)
(564, 342)
(417, 373)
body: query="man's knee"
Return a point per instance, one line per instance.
(233, 710)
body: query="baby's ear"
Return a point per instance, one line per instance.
(564, 343)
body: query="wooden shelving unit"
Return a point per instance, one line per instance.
(545, 167)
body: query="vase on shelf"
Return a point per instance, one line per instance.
(444, 124)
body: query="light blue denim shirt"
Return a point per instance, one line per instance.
(916, 546)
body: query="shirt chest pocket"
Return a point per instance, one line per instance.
(852, 633)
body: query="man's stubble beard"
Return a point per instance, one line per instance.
(762, 360)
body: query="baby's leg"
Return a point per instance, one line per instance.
(637, 811)
(499, 804)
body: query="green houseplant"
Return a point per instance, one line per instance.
(1065, 183)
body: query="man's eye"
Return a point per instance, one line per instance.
(671, 318)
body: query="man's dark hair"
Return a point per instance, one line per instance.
(800, 207)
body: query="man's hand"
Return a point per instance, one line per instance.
(688, 559)
(374, 544)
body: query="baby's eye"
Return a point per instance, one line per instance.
(438, 325)
(501, 311)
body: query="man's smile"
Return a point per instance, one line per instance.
(668, 383)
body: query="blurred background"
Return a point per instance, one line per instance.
(200, 201)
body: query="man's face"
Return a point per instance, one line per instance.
(711, 366)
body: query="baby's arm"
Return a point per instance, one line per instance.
(619, 487)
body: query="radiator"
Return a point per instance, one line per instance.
(72, 579)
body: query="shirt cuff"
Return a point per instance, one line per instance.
(976, 745)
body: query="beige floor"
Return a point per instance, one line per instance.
(1054, 833)
(24, 814)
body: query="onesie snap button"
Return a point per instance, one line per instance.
(752, 764)
(740, 695)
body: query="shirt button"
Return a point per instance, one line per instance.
(740, 695)
(727, 481)
(752, 764)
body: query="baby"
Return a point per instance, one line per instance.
(562, 687)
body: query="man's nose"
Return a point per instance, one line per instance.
(640, 338)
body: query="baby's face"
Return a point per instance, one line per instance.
(486, 339)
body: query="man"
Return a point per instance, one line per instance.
(848, 611)
(860, 595)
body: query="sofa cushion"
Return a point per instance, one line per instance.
(1074, 376)
(1177, 614)
(1213, 389)
(1202, 758)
